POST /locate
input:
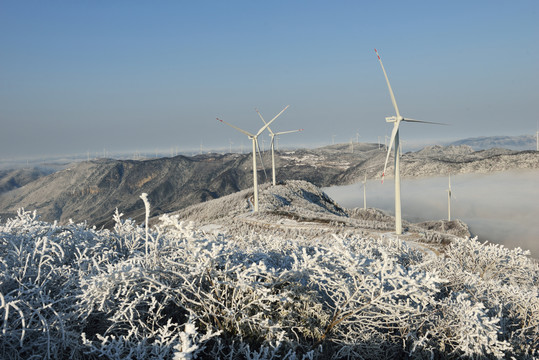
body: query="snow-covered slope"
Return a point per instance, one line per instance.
(300, 209)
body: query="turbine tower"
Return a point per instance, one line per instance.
(272, 135)
(449, 200)
(254, 139)
(396, 120)
(365, 192)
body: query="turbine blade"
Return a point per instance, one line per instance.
(282, 111)
(389, 86)
(237, 128)
(267, 124)
(288, 132)
(261, 160)
(423, 122)
(264, 121)
(393, 134)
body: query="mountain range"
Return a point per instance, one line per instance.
(90, 191)
(522, 142)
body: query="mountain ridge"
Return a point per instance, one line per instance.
(91, 190)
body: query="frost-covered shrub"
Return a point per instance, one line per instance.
(462, 327)
(493, 261)
(38, 286)
(505, 282)
(175, 292)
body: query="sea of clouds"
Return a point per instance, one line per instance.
(499, 207)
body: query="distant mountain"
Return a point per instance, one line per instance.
(13, 179)
(92, 190)
(523, 142)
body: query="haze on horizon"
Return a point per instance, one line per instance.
(83, 77)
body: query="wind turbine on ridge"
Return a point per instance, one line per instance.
(449, 200)
(272, 135)
(254, 139)
(365, 192)
(396, 120)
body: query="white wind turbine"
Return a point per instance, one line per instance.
(254, 138)
(365, 192)
(273, 135)
(396, 120)
(449, 200)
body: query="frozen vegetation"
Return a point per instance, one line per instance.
(304, 279)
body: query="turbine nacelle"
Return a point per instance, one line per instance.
(393, 119)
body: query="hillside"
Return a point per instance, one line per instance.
(91, 190)
(299, 209)
(14, 179)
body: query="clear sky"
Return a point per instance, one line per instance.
(83, 76)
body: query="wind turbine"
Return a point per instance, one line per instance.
(365, 192)
(254, 138)
(396, 120)
(449, 200)
(273, 135)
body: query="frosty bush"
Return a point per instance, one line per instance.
(178, 293)
(38, 287)
(504, 281)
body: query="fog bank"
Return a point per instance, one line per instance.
(500, 207)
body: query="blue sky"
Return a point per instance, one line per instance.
(83, 76)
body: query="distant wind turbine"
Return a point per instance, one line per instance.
(254, 138)
(365, 192)
(396, 120)
(449, 200)
(273, 135)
